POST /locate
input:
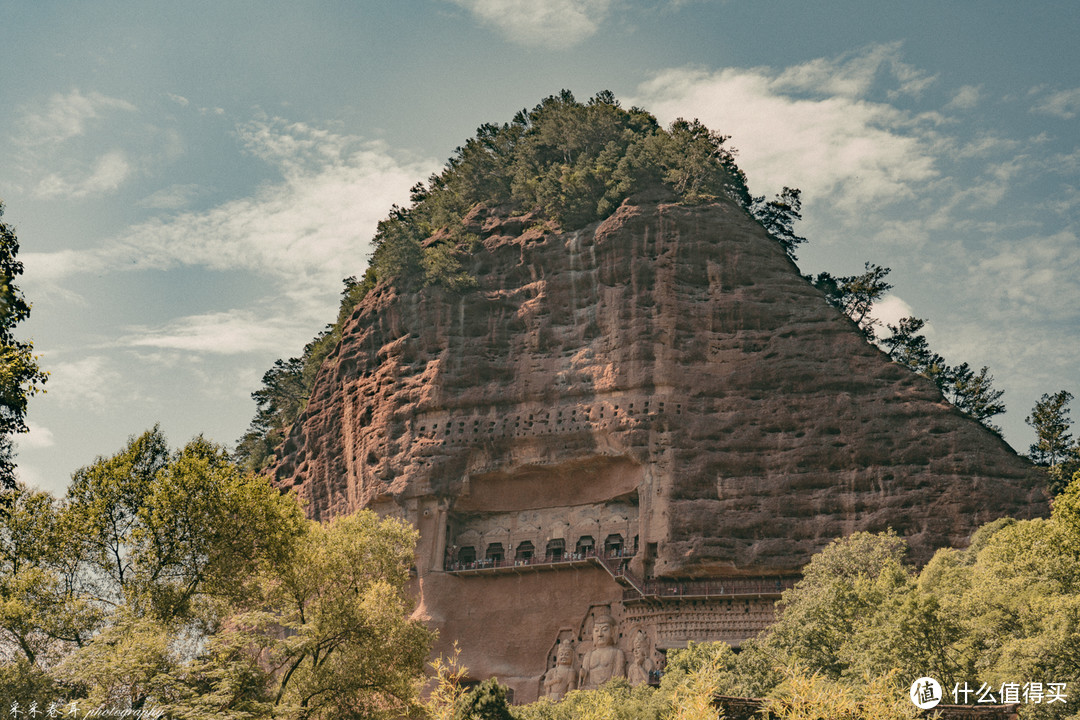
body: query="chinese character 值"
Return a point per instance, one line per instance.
(926, 693)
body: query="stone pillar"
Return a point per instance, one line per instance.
(440, 537)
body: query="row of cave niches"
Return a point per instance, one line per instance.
(555, 551)
(708, 621)
(547, 422)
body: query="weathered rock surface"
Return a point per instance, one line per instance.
(665, 377)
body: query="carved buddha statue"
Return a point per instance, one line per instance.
(604, 661)
(561, 679)
(642, 664)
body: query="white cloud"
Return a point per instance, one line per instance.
(807, 127)
(891, 309)
(89, 382)
(63, 117)
(965, 98)
(307, 231)
(1033, 279)
(173, 197)
(299, 147)
(555, 24)
(913, 82)
(83, 145)
(32, 477)
(1064, 104)
(51, 268)
(38, 436)
(107, 174)
(227, 333)
(853, 75)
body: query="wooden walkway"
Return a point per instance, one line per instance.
(634, 588)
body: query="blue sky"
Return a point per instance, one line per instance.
(190, 182)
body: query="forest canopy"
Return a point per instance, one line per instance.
(169, 580)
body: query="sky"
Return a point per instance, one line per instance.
(191, 181)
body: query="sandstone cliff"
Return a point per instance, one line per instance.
(664, 379)
(668, 345)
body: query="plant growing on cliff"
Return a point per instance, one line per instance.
(286, 388)
(855, 295)
(970, 392)
(569, 163)
(778, 217)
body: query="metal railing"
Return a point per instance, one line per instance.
(616, 564)
(728, 587)
(565, 559)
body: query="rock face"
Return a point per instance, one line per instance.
(652, 422)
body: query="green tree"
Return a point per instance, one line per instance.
(131, 663)
(486, 701)
(1050, 419)
(43, 605)
(449, 674)
(26, 681)
(778, 217)
(203, 529)
(278, 403)
(614, 700)
(20, 376)
(973, 393)
(910, 634)
(174, 543)
(1020, 611)
(334, 622)
(843, 586)
(855, 295)
(907, 345)
(104, 501)
(172, 579)
(1054, 447)
(812, 696)
(327, 636)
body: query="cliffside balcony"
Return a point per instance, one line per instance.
(728, 588)
(634, 589)
(485, 566)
